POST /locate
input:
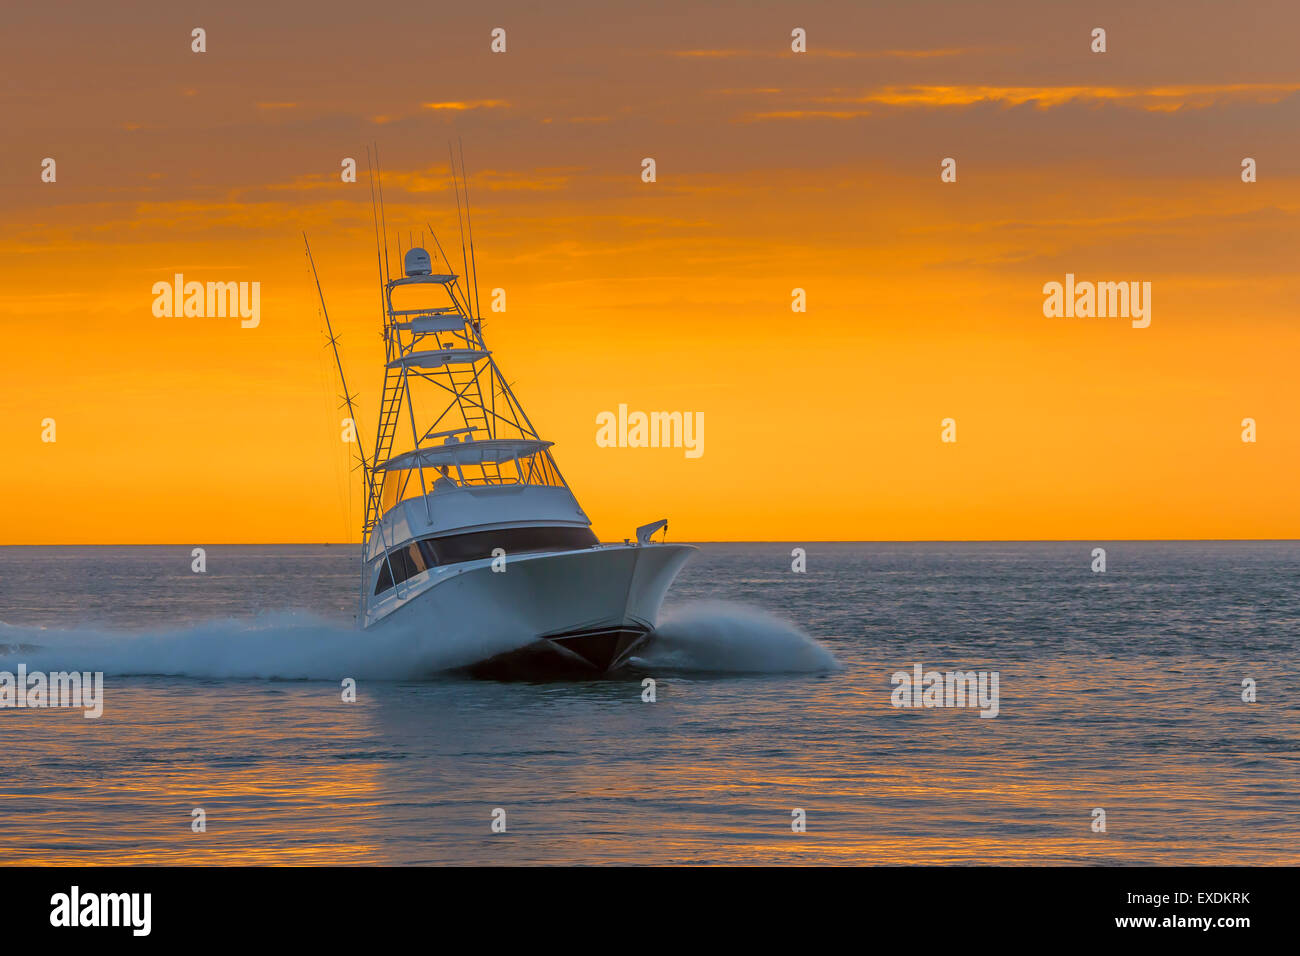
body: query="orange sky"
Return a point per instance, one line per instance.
(775, 171)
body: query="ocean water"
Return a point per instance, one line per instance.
(1120, 691)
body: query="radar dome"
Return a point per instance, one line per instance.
(417, 263)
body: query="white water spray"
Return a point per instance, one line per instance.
(722, 637)
(709, 636)
(284, 646)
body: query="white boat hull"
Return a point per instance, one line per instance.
(590, 609)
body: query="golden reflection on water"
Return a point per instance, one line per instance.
(287, 775)
(152, 762)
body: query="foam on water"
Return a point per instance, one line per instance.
(709, 636)
(720, 636)
(283, 645)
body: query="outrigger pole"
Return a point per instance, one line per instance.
(366, 472)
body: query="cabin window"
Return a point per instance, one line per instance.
(397, 559)
(480, 544)
(402, 563)
(385, 577)
(415, 560)
(411, 559)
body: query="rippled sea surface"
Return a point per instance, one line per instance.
(1119, 690)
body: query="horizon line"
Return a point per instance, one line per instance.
(276, 544)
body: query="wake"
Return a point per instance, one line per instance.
(708, 637)
(283, 646)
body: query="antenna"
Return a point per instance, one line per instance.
(374, 214)
(366, 473)
(478, 313)
(463, 257)
(383, 219)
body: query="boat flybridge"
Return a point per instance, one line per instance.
(472, 540)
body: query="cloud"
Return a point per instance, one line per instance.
(1167, 98)
(459, 105)
(827, 54)
(809, 114)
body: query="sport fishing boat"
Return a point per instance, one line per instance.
(471, 537)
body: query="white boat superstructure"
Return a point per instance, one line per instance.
(471, 536)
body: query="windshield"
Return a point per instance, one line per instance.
(532, 469)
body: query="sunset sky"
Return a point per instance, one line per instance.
(775, 170)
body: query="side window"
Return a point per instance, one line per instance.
(401, 571)
(385, 577)
(415, 558)
(404, 562)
